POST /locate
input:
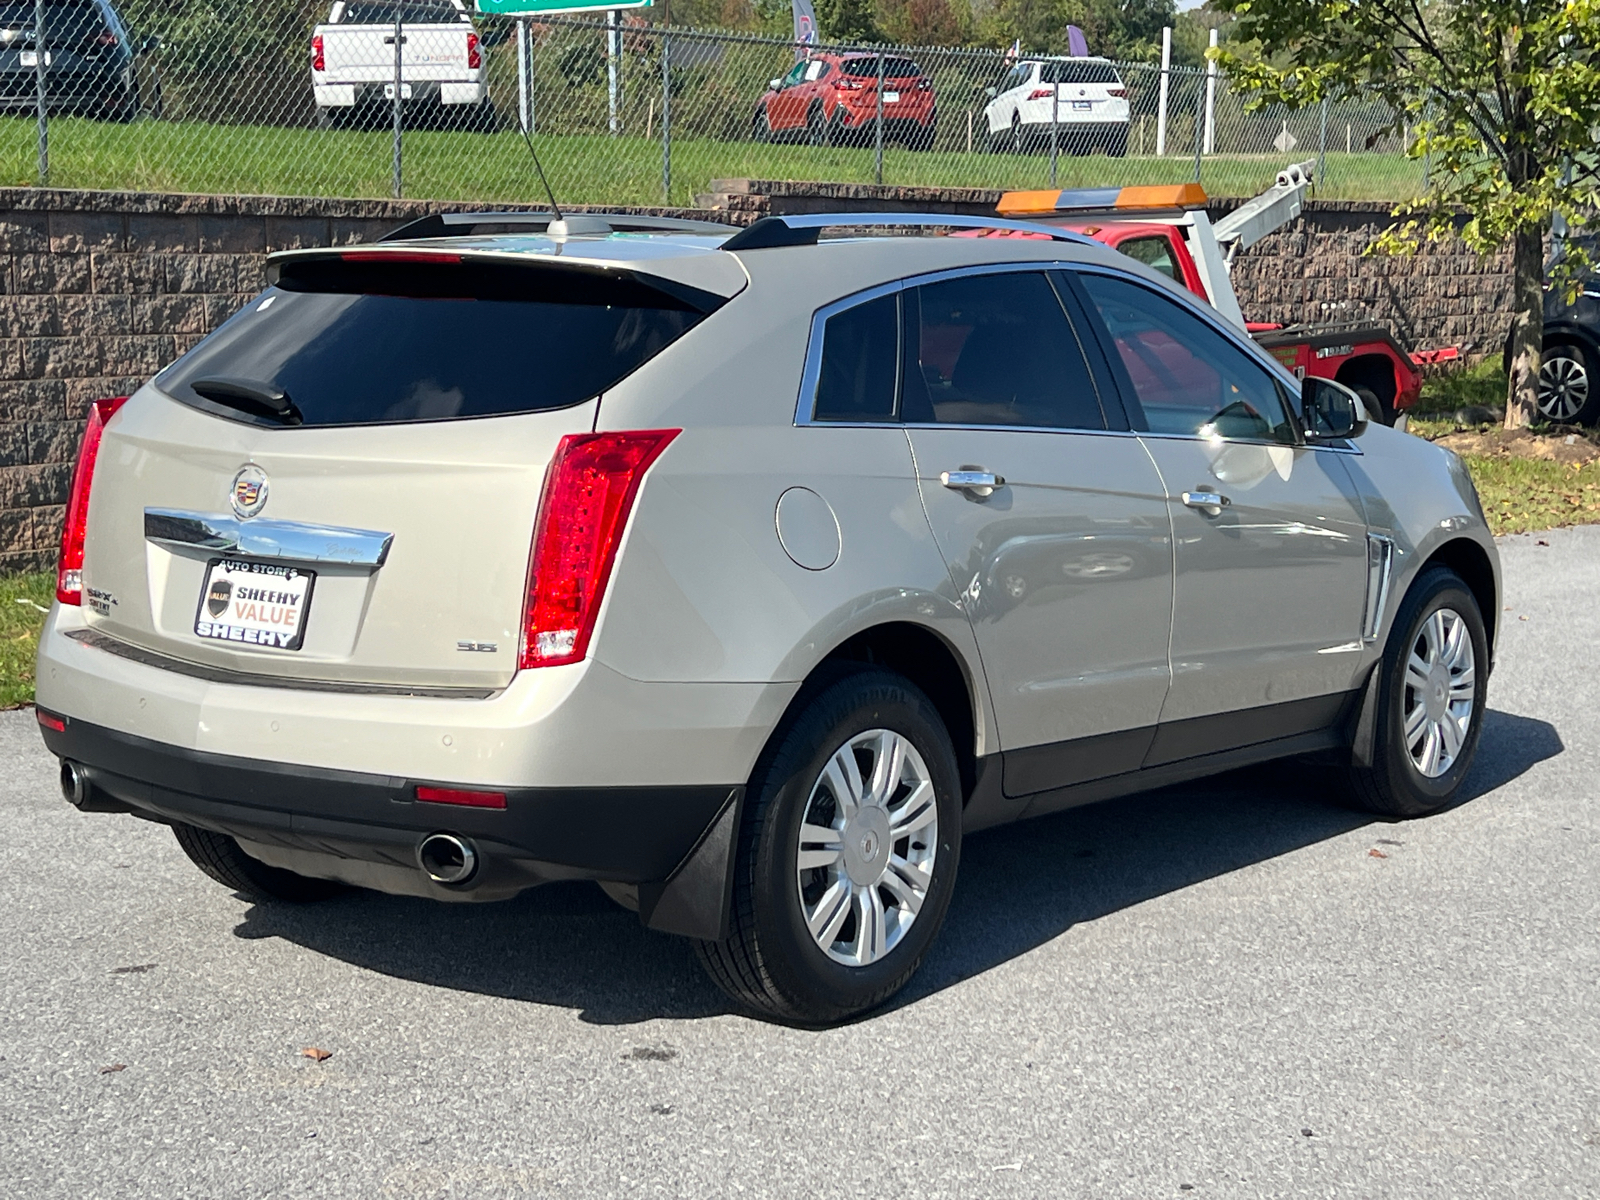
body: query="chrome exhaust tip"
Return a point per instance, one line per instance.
(447, 859)
(75, 784)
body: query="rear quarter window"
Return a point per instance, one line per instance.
(380, 343)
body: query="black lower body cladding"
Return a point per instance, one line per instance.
(660, 838)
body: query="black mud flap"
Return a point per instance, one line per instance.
(694, 900)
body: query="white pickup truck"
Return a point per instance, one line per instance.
(442, 76)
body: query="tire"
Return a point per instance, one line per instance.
(1376, 408)
(1396, 784)
(1567, 391)
(1019, 140)
(220, 857)
(770, 961)
(1117, 144)
(819, 131)
(760, 126)
(922, 137)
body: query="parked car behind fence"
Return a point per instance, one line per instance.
(93, 64)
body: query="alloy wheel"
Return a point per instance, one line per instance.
(868, 836)
(1440, 687)
(1563, 387)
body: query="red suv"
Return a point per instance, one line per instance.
(832, 100)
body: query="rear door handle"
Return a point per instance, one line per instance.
(1210, 503)
(978, 483)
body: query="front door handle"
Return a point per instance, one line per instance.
(1210, 503)
(978, 483)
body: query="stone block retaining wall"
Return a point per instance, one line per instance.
(99, 290)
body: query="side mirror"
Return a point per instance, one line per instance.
(147, 44)
(774, 85)
(1330, 411)
(494, 35)
(990, 92)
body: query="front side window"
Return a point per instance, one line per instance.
(859, 347)
(994, 350)
(797, 74)
(1189, 378)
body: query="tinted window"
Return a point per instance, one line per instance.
(412, 12)
(995, 350)
(893, 68)
(1078, 71)
(1186, 375)
(856, 382)
(368, 345)
(1153, 252)
(797, 74)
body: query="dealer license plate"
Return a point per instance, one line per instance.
(1082, 105)
(890, 97)
(30, 58)
(405, 91)
(254, 603)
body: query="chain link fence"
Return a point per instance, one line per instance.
(413, 98)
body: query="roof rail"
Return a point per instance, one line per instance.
(803, 229)
(466, 224)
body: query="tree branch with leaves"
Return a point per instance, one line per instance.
(1501, 96)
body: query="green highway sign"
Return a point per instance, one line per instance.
(523, 8)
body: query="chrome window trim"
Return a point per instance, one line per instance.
(805, 404)
(263, 537)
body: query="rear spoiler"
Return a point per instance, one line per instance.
(448, 272)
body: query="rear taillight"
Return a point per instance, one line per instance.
(1041, 93)
(588, 493)
(474, 55)
(69, 571)
(319, 61)
(1118, 91)
(106, 39)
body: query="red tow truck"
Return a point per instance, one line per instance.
(1166, 228)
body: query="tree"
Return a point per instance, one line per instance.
(847, 21)
(1502, 95)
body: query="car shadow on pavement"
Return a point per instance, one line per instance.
(568, 946)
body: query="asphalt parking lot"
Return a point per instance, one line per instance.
(1228, 989)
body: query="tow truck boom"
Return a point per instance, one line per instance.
(1266, 213)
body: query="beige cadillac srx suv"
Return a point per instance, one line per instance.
(743, 573)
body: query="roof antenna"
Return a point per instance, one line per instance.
(558, 227)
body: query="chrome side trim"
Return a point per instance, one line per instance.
(1380, 566)
(150, 658)
(283, 541)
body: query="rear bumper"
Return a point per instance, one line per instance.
(365, 828)
(578, 726)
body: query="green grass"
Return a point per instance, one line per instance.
(1524, 494)
(22, 601)
(1483, 384)
(584, 168)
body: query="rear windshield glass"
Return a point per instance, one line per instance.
(377, 343)
(412, 12)
(1078, 71)
(893, 68)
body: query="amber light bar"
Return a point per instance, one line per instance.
(1156, 197)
